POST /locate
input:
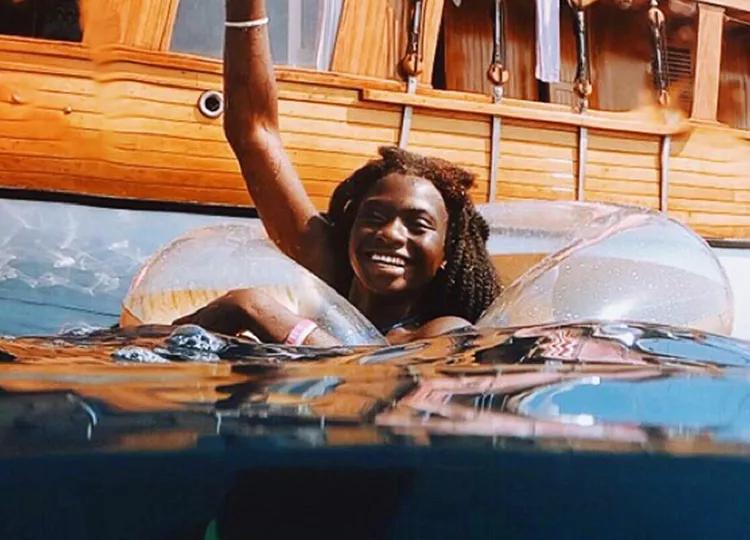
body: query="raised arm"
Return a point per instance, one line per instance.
(251, 125)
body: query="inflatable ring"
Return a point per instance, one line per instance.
(204, 264)
(558, 262)
(569, 261)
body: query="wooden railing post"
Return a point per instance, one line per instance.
(433, 17)
(372, 38)
(146, 24)
(707, 62)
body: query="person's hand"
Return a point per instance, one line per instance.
(232, 313)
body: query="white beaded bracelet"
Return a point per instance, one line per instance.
(246, 24)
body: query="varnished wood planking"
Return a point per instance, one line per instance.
(626, 186)
(623, 168)
(141, 23)
(467, 34)
(372, 38)
(433, 21)
(166, 19)
(627, 143)
(199, 167)
(538, 158)
(366, 48)
(718, 219)
(54, 182)
(734, 85)
(546, 134)
(374, 116)
(467, 145)
(622, 198)
(514, 191)
(721, 208)
(322, 158)
(620, 58)
(643, 181)
(123, 123)
(708, 62)
(627, 159)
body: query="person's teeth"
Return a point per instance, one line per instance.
(387, 259)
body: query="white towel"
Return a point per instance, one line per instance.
(548, 40)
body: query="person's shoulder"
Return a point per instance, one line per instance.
(442, 325)
(432, 328)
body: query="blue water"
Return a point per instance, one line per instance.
(63, 265)
(490, 434)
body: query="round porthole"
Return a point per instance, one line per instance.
(211, 103)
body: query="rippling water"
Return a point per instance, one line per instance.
(578, 431)
(592, 386)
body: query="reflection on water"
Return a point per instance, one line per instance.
(598, 386)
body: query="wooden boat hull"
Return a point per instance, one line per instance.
(123, 122)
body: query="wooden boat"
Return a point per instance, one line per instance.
(102, 99)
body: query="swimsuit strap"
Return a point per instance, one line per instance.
(408, 321)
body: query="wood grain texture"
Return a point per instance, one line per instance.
(433, 21)
(639, 121)
(734, 83)
(372, 38)
(467, 38)
(707, 62)
(145, 24)
(365, 48)
(133, 139)
(619, 59)
(467, 34)
(123, 123)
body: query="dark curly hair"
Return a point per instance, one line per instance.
(468, 283)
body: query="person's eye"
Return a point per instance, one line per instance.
(421, 225)
(372, 217)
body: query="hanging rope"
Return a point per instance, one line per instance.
(496, 73)
(582, 88)
(498, 76)
(582, 84)
(659, 65)
(411, 66)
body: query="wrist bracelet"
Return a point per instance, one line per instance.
(246, 24)
(300, 332)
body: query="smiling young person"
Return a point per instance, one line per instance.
(401, 240)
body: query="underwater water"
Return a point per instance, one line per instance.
(639, 387)
(184, 427)
(586, 430)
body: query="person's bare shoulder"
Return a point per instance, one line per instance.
(435, 327)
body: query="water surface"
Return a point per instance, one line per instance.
(588, 386)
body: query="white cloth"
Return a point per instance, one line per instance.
(548, 41)
(330, 13)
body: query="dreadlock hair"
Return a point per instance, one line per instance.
(468, 284)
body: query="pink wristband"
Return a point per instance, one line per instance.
(300, 332)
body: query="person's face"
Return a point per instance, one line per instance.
(397, 242)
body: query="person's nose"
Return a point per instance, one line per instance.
(394, 232)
